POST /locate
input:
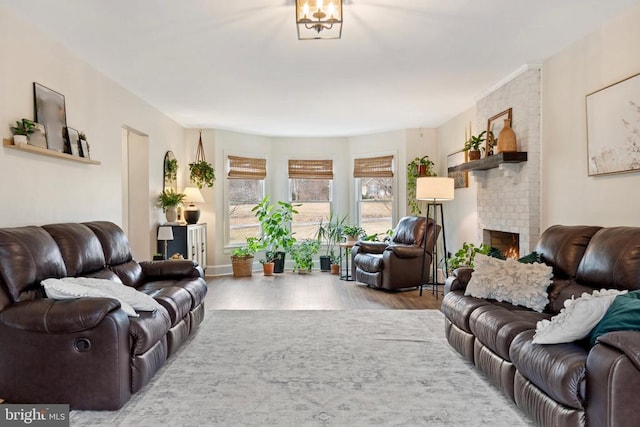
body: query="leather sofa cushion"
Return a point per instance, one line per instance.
(28, 255)
(612, 259)
(562, 247)
(81, 249)
(457, 307)
(197, 288)
(562, 290)
(148, 329)
(557, 369)
(371, 263)
(496, 325)
(177, 301)
(130, 273)
(115, 244)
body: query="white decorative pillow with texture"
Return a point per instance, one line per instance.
(136, 299)
(57, 289)
(510, 281)
(576, 319)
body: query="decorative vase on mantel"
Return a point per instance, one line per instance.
(171, 213)
(474, 155)
(507, 138)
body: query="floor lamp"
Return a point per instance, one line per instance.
(434, 190)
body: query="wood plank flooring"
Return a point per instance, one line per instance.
(315, 291)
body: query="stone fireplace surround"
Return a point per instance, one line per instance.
(509, 196)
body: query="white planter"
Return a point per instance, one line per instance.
(20, 139)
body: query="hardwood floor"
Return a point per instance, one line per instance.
(315, 291)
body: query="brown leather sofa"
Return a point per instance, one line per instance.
(86, 352)
(560, 384)
(396, 264)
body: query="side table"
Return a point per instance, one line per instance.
(345, 272)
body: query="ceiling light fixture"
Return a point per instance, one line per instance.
(318, 22)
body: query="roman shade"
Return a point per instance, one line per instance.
(247, 168)
(373, 167)
(310, 169)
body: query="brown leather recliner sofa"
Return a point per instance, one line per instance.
(86, 352)
(396, 264)
(559, 384)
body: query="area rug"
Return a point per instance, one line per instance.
(315, 368)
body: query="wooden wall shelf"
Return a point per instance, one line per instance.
(491, 162)
(50, 153)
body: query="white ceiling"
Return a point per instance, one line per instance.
(238, 65)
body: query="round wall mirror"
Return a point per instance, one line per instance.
(170, 175)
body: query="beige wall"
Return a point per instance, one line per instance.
(37, 189)
(569, 196)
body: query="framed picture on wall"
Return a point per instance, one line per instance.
(38, 137)
(50, 111)
(495, 124)
(460, 178)
(613, 128)
(74, 141)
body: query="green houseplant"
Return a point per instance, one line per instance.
(472, 145)
(171, 169)
(420, 166)
(464, 256)
(353, 232)
(201, 173)
(21, 130)
(275, 234)
(331, 234)
(169, 200)
(242, 257)
(303, 253)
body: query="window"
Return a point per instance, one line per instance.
(245, 183)
(374, 183)
(310, 184)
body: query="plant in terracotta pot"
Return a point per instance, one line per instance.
(169, 200)
(353, 233)
(269, 262)
(242, 257)
(21, 130)
(330, 233)
(420, 166)
(472, 145)
(303, 253)
(275, 234)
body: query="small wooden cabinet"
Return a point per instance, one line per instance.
(190, 241)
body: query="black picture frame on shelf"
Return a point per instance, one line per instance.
(73, 136)
(51, 112)
(84, 149)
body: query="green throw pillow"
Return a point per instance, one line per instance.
(532, 258)
(623, 315)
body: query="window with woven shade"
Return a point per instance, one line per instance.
(246, 188)
(375, 193)
(311, 188)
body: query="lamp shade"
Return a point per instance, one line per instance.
(165, 233)
(434, 188)
(193, 195)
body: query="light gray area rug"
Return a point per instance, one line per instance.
(316, 368)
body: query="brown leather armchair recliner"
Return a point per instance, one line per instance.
(396, 264)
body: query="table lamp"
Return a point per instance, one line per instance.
(192, 212)
(165, 233)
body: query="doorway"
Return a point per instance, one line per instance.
(135, 192)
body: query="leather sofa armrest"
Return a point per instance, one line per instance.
(626, 342)
(407, 252)
(459, 280)
(371, 247)
(171, 269)
(58, 317)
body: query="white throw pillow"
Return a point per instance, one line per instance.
(510, 281)
(57, 289)
(576, 319)
(136, 299)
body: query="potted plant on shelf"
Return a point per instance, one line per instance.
(331, 234)
(275, 234)
(353, 233)
(21, 130)
(472, 145)
(303, 253)
(420, 166)
(242, 258)
(169, 201)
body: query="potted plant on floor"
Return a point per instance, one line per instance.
(331, 234)
(275, 234)
(21, 130)
(418, 167)
(473, 145)
(269, 262)
(303, 253)
(242, 258)
(169, 201)
(353, 233)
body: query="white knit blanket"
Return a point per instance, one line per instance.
(79, 287)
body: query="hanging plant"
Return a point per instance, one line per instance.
(416, 168)
(201, 173)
